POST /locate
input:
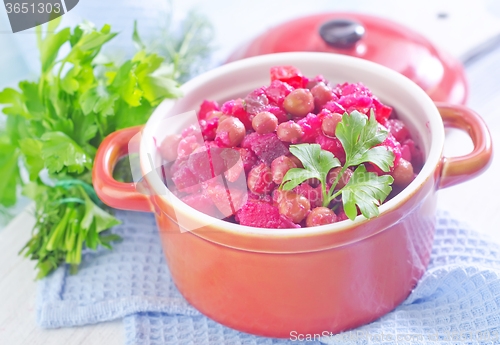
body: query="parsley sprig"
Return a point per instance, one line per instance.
(359, 136)
(55, 124)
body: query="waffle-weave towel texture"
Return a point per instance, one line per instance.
(457, 301)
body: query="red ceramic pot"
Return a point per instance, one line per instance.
(272, 282)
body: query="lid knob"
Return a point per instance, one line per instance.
(341, 33)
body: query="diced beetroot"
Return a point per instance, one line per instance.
(193, 189)
(355, 88)
(315, 81)
(417, 156)
(358, 97)
(209, 128)
(311, 127)
(277, 92)
(406, 153)
(233, 172)
(266, 146)
(305, 81)
(259, 214)
(337, 90)
(334, 107)
(248, 157)
(212, 144)
(398, 129)
(187, 145)
(341, 215)
(201, 202)
(263, 215)
(314, 195)
(382, 112)
(210, 161)
(227, 200)
(222, 138)
(236, 108)
(333, 145)
(206, 107)
(225, 159)
(199, 164)
(290, 75)
(392, 144)
(278, 112)
(185, 180)
(255, 102)
(178, 163)
(192, 130)
(266, 198)
(287, 223)
(248, 140)
(324, 113)
(252, 197)
(355, 102)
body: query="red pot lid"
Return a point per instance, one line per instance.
(371, 38)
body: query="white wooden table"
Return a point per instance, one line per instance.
(475, 202)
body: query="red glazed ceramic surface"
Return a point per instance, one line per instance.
(334, 277)
(376, 39)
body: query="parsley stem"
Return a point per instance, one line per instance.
(60, 71)
(325, 195)
(336, 194)
(59, 231)
(329, 198)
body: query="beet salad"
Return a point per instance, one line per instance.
(295, 153)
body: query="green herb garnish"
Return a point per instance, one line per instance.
(366, 190)
(56, 123)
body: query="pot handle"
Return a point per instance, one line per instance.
(456, 170)
(116, 194)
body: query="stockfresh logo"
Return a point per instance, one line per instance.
(26, 14)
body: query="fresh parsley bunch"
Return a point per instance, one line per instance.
(55, 125)
(359, 137)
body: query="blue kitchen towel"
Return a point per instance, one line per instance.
(456, 301)
(110, 284)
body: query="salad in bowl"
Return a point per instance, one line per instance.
(312, 153)
(294, 204)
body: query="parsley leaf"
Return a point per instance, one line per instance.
(296, 176)
(367, 191)
(15, 101)
(139, 45)
(56, 123)
(358, 136)
(50, 45)
(32, 151)
(317, 163)
(9, 173)
(60, 151)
